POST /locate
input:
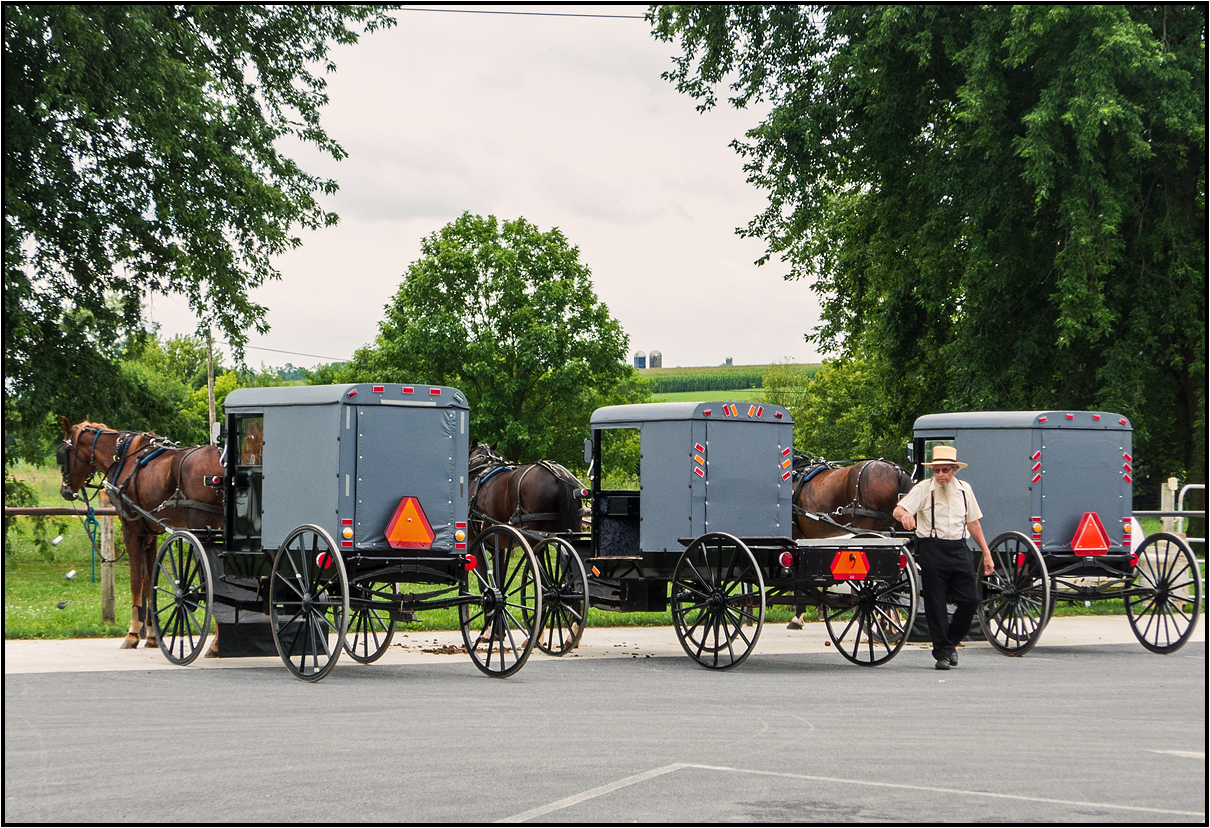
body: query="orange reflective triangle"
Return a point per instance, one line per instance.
(1091, 537)
(850, 565)
(409, 527)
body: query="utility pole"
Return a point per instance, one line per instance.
(210, 382)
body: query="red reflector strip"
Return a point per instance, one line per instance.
(777, 414)
(353, 392)
(346, 522)
(1071, 416)
(378, 389)
(346, 544)
(1041, 419)
(1126, 467)
(760, 410)
(1122, 421)
(786, 476)
(1126, 477)
(459, 524)
(699, 448)
(698, 471)
(1037, 477)
(1037, 455)
(1037, 467)
(1096, 416)
(407, 389)
(435, 392)
(460, 546)
(785, 451)
(1127, 457)
(706, 413)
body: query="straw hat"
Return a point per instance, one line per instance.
(945, 456)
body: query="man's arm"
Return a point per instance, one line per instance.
(976, 531)
(905, 518)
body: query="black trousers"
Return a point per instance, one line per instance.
(947, 569)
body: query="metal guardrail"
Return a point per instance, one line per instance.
(1176, 513)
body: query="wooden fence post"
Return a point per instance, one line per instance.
(107, 556)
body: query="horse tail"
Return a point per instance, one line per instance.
(568, 506)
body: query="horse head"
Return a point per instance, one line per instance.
(76, 455)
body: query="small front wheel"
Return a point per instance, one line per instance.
(308, 602)
(718, 601)
(371, 626)
(182, 597)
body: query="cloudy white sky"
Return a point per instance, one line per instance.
(563, 120)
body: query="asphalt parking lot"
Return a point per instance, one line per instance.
(1087, 727)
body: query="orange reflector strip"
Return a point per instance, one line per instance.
(1091, 537)
(409, 527)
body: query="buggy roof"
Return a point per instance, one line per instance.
(353, 394)
(1022, 419)
(619, 416)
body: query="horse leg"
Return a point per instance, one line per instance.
(148, 564)
(134, 554)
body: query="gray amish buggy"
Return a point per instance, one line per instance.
(1055, 488)
(691, 509)
(335, 496)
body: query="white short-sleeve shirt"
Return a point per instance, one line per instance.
(953, 506)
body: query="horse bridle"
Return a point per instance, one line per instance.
(71, 450)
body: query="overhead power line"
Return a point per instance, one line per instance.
(523, 13)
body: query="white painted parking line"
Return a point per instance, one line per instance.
(1184, 754)
(642, 777)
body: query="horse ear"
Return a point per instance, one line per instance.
(494, 445)
(474, 442)
(66, 428)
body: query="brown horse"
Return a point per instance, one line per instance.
(153, 484)
(541, 496)
(849, 498)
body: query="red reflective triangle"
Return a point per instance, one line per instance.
(409, 527)
(1091, 537)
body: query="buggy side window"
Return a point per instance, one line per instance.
(620, 453)
(250, 440)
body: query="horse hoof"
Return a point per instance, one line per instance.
(212, 652)
(130, 642)
(795, 624)
(151, 643)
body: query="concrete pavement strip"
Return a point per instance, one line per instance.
(103, 654)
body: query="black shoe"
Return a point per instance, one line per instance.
(943, 664)
(953, 658)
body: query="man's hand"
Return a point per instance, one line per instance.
(906, 519)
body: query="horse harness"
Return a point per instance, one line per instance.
(482, 472)
(123, 455)
(805, 471)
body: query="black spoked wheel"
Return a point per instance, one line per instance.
(371, 626)
(718, 601)
(1165, 596)
(309, 602)
(501, 613)
(564, 596)
(1014, 601)
(870, 623)
(182, 597)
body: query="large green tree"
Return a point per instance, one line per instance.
(506, 313)
(144, 152)
(1000, 206)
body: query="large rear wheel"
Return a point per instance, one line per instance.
(371, 626)
(308, 602)
(1165, 596)
(1014, 601)
(718, 601)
